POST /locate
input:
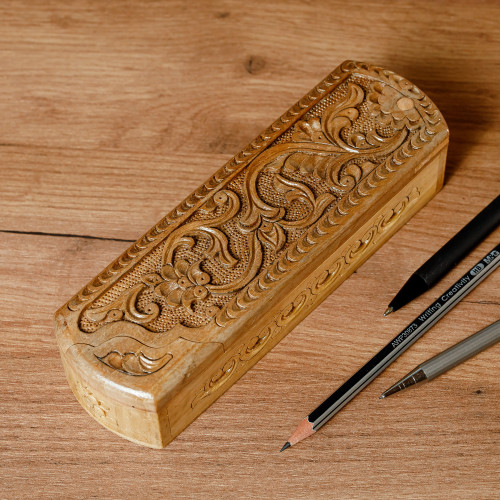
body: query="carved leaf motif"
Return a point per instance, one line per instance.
(273, 235)
(309, 130)
(133, 363)
(342, 115)
(293, 190)
(254, 262)
(125, 307)
(129, 355)
(220, 247)
(185, 234)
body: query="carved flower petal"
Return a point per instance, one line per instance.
(166, 288)
(413, 115)
(388, 99)
(196, 275)
(181, 266)
(130, 363)
(151, 279)
(175, 297)
(201, 278)
(398, 114)
(187, 299)
(194, 293)
(113, 359)
(386, 121)
(169, 273)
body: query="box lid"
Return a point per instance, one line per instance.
(184, 293)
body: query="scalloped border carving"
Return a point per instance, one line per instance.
(307, 298)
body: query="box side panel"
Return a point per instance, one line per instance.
(140, 426)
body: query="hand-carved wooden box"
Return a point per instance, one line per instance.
(163, 331)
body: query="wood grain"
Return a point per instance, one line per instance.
(89, 88)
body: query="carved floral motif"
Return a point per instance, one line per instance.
(98, 409)
(182, 284)
(245, 238)
(134, 363)
(392, 108)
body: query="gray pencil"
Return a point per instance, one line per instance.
(446, 360)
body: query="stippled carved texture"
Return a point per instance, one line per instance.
(254, 221)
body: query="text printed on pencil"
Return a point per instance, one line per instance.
(410, 329)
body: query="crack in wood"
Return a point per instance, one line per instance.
(65, 235)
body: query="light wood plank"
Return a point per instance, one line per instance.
(208, 77)
(89, 192)
(94, 92)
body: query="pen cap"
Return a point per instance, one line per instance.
(461, 244)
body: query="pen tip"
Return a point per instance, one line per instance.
(287, 445)
(395, 388)
(388, 311)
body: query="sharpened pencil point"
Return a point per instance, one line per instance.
(287, 445)
(388, 311)
(382, 396)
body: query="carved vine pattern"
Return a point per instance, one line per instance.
(320, 147)
(95, 407)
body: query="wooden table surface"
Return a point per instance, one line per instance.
(110, 114)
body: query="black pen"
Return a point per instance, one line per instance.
(448, 255)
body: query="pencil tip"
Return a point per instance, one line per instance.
(382, 396)
(388, 311)
(287, 445)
